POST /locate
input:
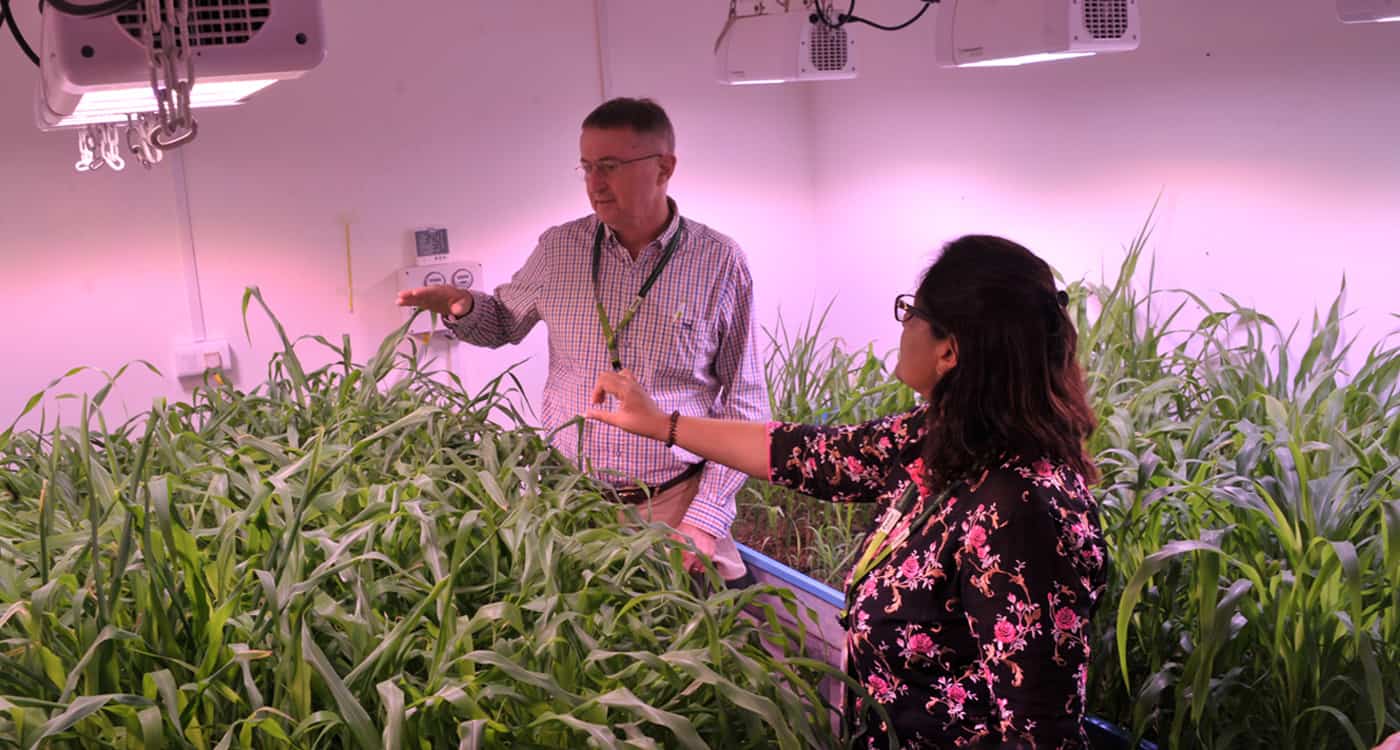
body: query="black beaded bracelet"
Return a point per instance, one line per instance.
(671, 438)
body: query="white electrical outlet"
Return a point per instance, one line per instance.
(461, 274)
(193, 358)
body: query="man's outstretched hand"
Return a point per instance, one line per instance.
(441, 299)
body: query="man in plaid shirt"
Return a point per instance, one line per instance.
(677, 297)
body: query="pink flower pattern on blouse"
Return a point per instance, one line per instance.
(974, 632)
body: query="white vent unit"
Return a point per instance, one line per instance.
(1368, 11)
(95, 69)
(782, 47)
(973, 33)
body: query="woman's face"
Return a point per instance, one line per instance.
(923, 357)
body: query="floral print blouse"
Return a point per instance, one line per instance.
(975, 631)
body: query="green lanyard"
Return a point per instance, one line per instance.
(876, 551)
(610, 334)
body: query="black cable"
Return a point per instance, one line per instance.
(850, 17)
(6, 15)
(820, 15)
(917, 16)
(104, 8)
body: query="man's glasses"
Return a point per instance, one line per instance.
(605, 167)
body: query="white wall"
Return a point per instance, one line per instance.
(465, 118)
(1267, 126)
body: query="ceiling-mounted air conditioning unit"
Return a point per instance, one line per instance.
(974, 33)
(95, 70)
(781, 47)
(1368, 11)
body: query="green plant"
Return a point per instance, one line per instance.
(813, 379)
(358, 556)
(1250, 500)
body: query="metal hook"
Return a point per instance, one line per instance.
(87, 151)
(111, 147)
(175, 142)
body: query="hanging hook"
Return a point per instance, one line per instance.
(138, 139)
(176, 141)
(111, 147)
(88, 150)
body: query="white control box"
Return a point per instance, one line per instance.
(192, 359)
(461, 274)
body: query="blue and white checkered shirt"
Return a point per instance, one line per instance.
(691, 345)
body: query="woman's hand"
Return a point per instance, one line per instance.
(738, 445)
(636, 412)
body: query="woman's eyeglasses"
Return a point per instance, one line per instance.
(904, 309)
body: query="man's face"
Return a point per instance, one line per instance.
(627, 194)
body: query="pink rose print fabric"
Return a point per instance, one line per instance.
(975, 631)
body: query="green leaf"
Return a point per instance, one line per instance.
(355, 716)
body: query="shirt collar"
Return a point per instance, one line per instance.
(671, 228)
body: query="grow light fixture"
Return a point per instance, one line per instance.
(758, 82)
(996, 33)
(778, 47)
(95, 69)
(1008, 62)
(112, 105)
(1368, 11)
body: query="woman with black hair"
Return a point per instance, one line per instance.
(968, 611)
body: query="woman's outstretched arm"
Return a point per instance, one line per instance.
(738, 445)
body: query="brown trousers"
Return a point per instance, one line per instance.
(669, 507)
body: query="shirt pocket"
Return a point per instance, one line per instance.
(689, 344)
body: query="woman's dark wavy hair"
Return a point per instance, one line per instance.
(1017, 389)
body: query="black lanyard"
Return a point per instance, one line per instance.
(611, 334)
(876, 551)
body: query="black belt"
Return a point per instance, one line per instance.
(638, 495)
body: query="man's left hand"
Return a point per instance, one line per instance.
(702, 540)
